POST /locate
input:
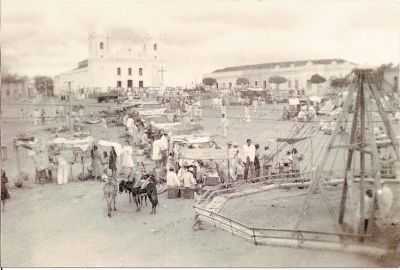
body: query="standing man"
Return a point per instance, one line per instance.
(247, 113)
(225, 124)
(257, 165)
(368, 208)
(164, 145)
(266, 162)
(156, 154)
(130, 125)
(249, 153)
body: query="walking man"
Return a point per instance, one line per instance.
(249, 152)
(225, 124)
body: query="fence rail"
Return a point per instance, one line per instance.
(258, 234)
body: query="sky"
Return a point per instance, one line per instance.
(196, 37)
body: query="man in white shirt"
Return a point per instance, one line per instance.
(156, 155)
(130, 125)
(164, 148)
(249, 153)
(368, 208)
(188, 179)
(225, 124)
(172, 178)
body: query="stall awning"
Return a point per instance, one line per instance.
(291, 140)
(83, 144)
(203, 154)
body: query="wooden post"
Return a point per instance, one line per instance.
(386, 122)
(362, 153)
(317, 175)
(349, 161)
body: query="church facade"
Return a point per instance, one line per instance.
(134, 65)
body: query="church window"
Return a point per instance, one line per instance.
(119, 84)
(101, 45)
(296, 84)
(140, 71)
(155, 46)
(255, 83)
(129, 71)
(289, 83)
(119, 71)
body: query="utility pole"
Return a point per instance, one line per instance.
(362, 152)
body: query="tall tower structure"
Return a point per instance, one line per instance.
(99, 45)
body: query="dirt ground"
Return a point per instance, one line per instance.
(51, 225)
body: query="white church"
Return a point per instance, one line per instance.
(134, 65)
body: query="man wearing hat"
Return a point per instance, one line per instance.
(188, 179)
(164, 148)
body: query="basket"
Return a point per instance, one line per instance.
(173, 193)
(212, 181)
(188, 193)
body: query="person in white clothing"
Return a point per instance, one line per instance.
(368, 208)
(156, 155)
(62, 170)
(225, 124)
(125, 120)
(127, 160)
(255, 105)
(188, 179)
(172, 178)
(247, 113)
(249, 153)
(164, 145)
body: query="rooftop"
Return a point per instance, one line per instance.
(282, 64)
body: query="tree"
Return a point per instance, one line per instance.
(277, 80)
(317, 79)
(242, 81)
(209, 81)
(44, 85)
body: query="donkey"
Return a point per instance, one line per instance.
(110, 190)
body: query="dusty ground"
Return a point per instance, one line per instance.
(50, 225)
(66, 226)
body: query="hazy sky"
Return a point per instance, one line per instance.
(50, 36)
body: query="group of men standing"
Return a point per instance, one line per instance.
(248, 161)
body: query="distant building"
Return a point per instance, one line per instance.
(391, 75)
(297, 73)
(11, 90)
(134, 65)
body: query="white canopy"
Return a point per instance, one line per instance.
(315, 99)
(294, 101)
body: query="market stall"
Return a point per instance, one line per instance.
(71, 151)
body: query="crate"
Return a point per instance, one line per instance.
(212, 181)
(188, 193)
(173, 193)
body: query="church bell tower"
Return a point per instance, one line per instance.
(99, 45)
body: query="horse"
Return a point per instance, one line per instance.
(110, 191)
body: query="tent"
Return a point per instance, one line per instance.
(204, 154)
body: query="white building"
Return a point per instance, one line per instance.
(132, 65)
(297, 74)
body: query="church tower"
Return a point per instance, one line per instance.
(99, 45)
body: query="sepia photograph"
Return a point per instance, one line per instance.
(213, 133)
